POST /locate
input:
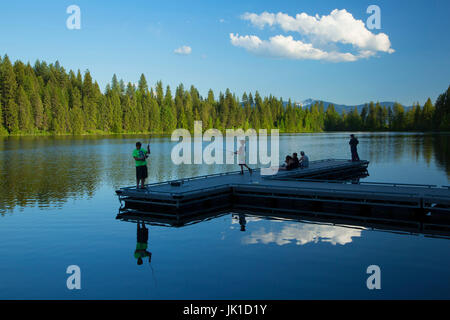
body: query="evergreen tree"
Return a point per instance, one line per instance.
(46, 98)
(441, 118)
(8, 87)
(168, 119)
(142, 85)
(427, 115)
(24, 110)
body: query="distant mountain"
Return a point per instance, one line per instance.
(341, 107)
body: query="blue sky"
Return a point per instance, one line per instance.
(133, 37)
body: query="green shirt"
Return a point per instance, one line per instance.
(140, 154)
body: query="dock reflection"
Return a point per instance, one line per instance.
(242, 216)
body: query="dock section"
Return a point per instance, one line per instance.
(294, 191)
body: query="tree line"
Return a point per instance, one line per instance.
(45, 99)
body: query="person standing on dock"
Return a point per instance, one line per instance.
(142, 244)
(353, 143)
(140, 155)
(241, 153)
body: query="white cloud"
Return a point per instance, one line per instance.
(339, 27)
(184, 50)
(286, 47)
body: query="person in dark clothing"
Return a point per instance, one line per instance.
(142, 244)
(288, 163)
(296, 161)
(353, 143)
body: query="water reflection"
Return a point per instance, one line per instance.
(48, 171)
(301, 234)
(298, 228)
(141, 251)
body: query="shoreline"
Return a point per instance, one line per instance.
(100, 134)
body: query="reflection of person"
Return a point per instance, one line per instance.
(140, 155)
(242, 221)
(241, 153)
(142, 244)
(353, 143)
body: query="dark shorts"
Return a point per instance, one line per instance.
(141, 172)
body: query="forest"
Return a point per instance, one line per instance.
(45, 99)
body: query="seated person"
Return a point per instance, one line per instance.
(296, 161)
(288, 163)
(304, 160)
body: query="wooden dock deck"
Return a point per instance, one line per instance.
(293, 190)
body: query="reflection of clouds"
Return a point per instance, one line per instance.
(235, 219)
(302, 234)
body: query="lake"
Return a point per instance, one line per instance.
(58, 208)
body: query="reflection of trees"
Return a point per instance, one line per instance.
(46, 170)
(441, 149)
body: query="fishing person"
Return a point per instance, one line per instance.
(353, 143)
(142, 244)
(140, 155)
(241, 153)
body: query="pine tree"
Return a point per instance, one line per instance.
(142, 85)
(427, 115)
(24, 110)
(168, 119)
(441, 119)
(8, 87)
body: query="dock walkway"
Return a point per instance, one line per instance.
(292, 190)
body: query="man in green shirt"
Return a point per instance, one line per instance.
(140, 155)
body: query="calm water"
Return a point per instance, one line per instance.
(58, 208)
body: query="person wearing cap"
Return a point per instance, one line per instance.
(140, 156)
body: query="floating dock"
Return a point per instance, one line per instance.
(308, 190)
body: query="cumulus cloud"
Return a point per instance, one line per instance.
(286, 47)
(339, 27)
(184, 50)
